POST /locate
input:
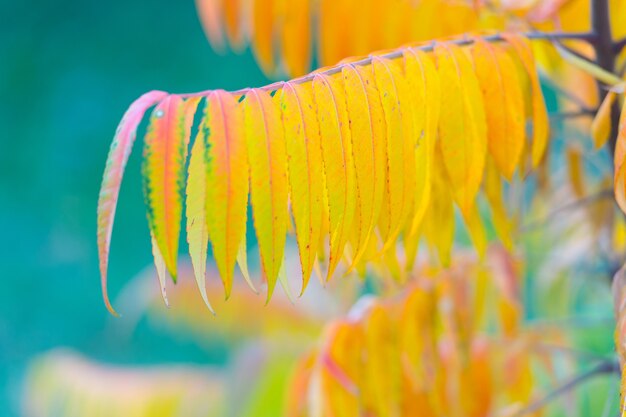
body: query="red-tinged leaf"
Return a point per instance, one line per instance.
(112, 179)
(165, 156)
(210, 13)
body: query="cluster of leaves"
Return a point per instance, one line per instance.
(282, 32)
(363, 153)
(432, 351)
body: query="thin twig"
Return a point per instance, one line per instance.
(579, 354)
(574, 205)
(600, 369)
(619, 45)
(572, 114)
(398, 53)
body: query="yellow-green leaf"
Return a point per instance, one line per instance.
(268, 180)
(304, 162)
(227, 181)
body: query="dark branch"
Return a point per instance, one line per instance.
(397, 53)
(573, 114)
(619, 45)
(605, 57)
(607, 367)
(574, 205)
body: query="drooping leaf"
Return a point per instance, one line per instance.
(337, 153)
(233, 17)
(197, 230)
(422, 76)
(601, 125)
(227, 181)
(165, 156)
(210, 13)
(112, 179)
(351, 150)
(268, 180)
(296, 31)
(304, 161)
(367, 125)
(539, 111)
(400, 178)
(462, 132)
(504, 105)
(263, 20)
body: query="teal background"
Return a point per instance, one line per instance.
(68, 71)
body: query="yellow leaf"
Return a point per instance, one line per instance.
(462, 127)
(227, 181)
(601, 125)
(268, 180)
(304, 162)
(504, 105)
(539, 111)
(618, 163)
(400, 184)
(575, 170)
(296, 36)
(367, 125)
(380, 398)
(233, 18)
(423, 83)
(438, 225)
(263, 20)
(330, 100)
(197, 229)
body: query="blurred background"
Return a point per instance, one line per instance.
(68, 71)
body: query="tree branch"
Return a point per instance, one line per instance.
(607, 367)
(589, 37)
(574, 205)
(605, 57)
